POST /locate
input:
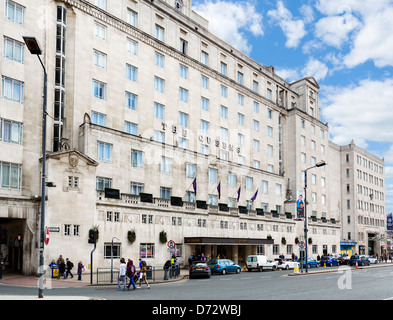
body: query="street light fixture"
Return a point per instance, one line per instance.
(34, 48)
(319, 164)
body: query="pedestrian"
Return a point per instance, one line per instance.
(52, 264)
(131, 273)
(80, 270)
(173, 262)
(62, 268)
(122, 274)
(167, 267)
(69, 265)
(60, 259)
(143, 275)
(190, 259)
(203, 257)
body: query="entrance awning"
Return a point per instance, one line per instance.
(226, 241)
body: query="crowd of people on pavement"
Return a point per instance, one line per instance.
(64, 268)
(128, 270)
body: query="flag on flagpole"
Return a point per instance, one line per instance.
(194, 184)
(238, 194)
(219, 190)
(254, 196)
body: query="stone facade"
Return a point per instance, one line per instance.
(144, 100)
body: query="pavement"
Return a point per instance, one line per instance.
(32, 281)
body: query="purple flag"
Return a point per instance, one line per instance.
(195, 186)
(254, 196)
(238, 194)
(219, 190)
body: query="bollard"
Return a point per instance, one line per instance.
(296, 268)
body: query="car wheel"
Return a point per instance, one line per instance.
(224, 272)
(287, 268)
(260, 269)
(238, 270)
(274, 268)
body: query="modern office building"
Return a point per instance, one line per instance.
(158, 130)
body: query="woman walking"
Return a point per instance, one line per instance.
(143, 275)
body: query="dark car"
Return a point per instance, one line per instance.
(329, 261)
(360, 259)
(199, 269)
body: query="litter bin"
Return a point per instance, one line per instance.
(55, 272)
(149, 272)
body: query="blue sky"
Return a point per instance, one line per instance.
(346, 45)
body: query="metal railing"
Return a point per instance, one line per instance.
(154, 274)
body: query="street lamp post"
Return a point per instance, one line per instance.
(319, 164)
(34, 48)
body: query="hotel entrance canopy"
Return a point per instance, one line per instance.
(226, 241)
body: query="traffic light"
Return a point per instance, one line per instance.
(93, 235)
(3, 236)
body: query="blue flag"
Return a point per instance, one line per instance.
(219, 190)
(254, 196)
(238, 194)
(195, 186)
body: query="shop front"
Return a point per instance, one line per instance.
(235, 249)
(347, 248)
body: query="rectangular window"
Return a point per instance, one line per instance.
(102, 183)
(159, 60)
(131, 101)
(183, 119)
(146, 250)
(132, 17)
(159, 136)
(137, 188)
(165, 193)
(136, 159)
(131, 73)
(132, 47)
(100, 31)
(98, 118)
(11, 132)
(159, 111)
(131, 128)
(232, 179)
(166, 165)
(213, 175)
(13, 50)
(104, 151)
(159, 33)
(99, 59)
(159, 84)
(14, 12)
(10, 175)
(12, 89)
(183, 72)
(183, 94)
(99, 89)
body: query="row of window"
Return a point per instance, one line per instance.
(132, 18)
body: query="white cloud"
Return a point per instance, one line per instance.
(367, 26)
(315, 68)
(288, 74)
(361, 112)
(229, 20)
(294, 30)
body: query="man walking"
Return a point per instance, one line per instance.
(69, 266)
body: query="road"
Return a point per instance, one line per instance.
(354, 284)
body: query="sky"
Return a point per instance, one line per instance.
(347, 45)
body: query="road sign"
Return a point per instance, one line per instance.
(302, 244)
(171, 244)
(47, 236)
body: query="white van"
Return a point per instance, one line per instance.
(260, 263)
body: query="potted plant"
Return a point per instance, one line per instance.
(131, 236)
(163, 237)
(283, 241)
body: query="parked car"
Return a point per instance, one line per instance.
(360, 259)
(199, 268)
(287, 264)
(311, 262)
(223, 266)
(329, 261)
(260, 263)
(372, 259)
(343, 259)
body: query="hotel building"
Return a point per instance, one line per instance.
(158, 130)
